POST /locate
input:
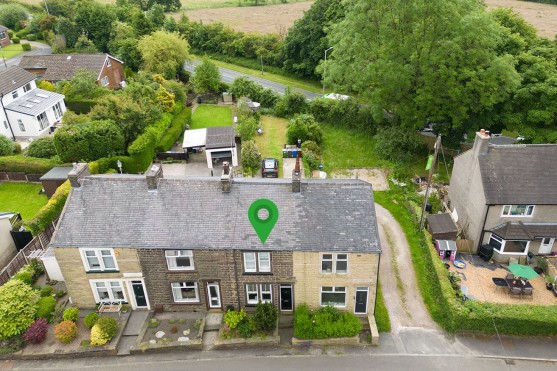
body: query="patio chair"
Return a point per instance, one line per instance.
(509, 276)
(528, 291)
(515, 291)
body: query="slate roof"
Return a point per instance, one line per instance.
(441, 223)
(14, 77)
(193, 213)
(35, 102)
(220, 137)
(57, 173)
(520, 174)
(525, 230)
(63, 66)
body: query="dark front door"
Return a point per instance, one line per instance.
(361, 300)
(139, 293)
(285, 297)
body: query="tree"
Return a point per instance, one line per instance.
(246, 128)
(42, 148)
(303, 127)
(206, 77)
(141, 24)
(292, 103)
(84, 45)
(163, 52)
(95, 21)
(156, 16)
(251, 158)
(422, 60)
(11, 14)
(398, 144)
(7, 146)
(306, 41)
(17, 308)
(67, 28)
(82, 85)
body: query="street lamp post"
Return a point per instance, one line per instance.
(326, 50)
(119, 164)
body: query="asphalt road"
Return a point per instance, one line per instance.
(228, 77)
(38, 49)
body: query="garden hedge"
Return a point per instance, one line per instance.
(50, 211)
(28, 165)
(82, 106)
(175, 131)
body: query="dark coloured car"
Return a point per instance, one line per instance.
(269, 168)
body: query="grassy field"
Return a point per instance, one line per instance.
(270, 143)
(22, 197)
(12, 50)
(206, 116)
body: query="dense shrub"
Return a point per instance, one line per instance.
(17, 308)
(232, 318)
(251, 158)
(398, 144)
(108, 325)
(326, 322)
(265, 317)
(50, 211)
(246, 327)
(65, 331)
(304, 127)
(90, 320)
(37, 268)
(22, 33)
(343, 113)
(17, 148)
(142, 150)
(26, 46)
(42, 148)
(28, 165)
(175, 131)
(25, 277)
(16, 40)
(36, 332)
(80, 106)
(71, 314)
(6, 146)
(46, 307)
(31, 37)
(244, 87)
(98, 338)
(292, 103)
(46, 291)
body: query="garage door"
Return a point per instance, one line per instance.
(221, 154)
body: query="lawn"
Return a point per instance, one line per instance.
(12, 50)
(381, 314)
(272, 140)
(22, 197)
(207, 116)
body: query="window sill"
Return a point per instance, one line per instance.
(510, 253)
(257, 274)
(105, 271)
(186, 302)
(181, 270)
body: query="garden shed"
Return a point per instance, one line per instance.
(442, 227)
(218, 142)
(54, 179)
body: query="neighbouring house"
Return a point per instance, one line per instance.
(219, 143)
(57, 67)
(26, 111)
(4, 37)
(186, 244)
(505, 196)
(7, 245)
(54, 179)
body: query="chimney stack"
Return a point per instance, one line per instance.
(296, 177)
(481, 143)
(77, 174)
(226, 178)
(153, 175)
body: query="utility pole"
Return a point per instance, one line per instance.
(431, 168)
(325, 67)
(46, 7)
(261, 56)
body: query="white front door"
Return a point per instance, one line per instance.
(546, 245)
(213, 294)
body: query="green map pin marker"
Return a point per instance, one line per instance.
(263, 227)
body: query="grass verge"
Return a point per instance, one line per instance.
(22, 197)
(207, 116)
(270, 143)
(381, 314)
(12, 50)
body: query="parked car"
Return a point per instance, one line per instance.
(269, 168)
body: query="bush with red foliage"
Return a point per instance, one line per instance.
(36, 332)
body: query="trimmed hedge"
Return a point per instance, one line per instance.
(82, 106)
(28, 165)
(50, 211)
(175, 131)
(440, 299)
(343, 113)
(26, 46)
(142, 150)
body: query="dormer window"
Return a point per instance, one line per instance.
(26, 87)
(518, 210)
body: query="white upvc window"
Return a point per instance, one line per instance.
(518, 210)
(179, 259)
(256, 293)
(257, 262)
(21, 125)
(5, 124)
(509, 247)
(334, 263)
(57, 110)
(43, 120)
(335, 296)
(104, 81)
(107, 290)
(185, 292)
(15, 94)
(108, 62)
(26, 87)
(99, 260)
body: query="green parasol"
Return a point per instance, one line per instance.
(524, 271)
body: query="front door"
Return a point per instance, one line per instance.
(139, 293)
(286, 297)
(213, 295)
(361, 300)
(546, 245)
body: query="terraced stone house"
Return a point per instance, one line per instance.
(186, 244)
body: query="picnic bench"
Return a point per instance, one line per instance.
(107, 306)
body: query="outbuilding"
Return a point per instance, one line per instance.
(54, 179)
(218, 142)
(442, 227)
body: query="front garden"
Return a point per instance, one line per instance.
(325, 323)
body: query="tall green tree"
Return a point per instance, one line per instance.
(67, 28)
(206, 77)
(251, 158)
(306, 41)
(164, 52)
(11, 14)
(94, 20)
(421, 60)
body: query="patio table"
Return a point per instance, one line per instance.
(518, 283)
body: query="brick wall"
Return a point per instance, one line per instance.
(115, 74)
(210, 266)
(77, 279)
(362, 272)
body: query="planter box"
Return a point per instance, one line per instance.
(254, 342)
(347, 341)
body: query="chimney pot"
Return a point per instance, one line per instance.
(77, 174)
(153, 175)
(226, 180)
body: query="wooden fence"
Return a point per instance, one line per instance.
(33, 249)
(12, 176)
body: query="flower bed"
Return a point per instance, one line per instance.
(258, 341)
(324, 323)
